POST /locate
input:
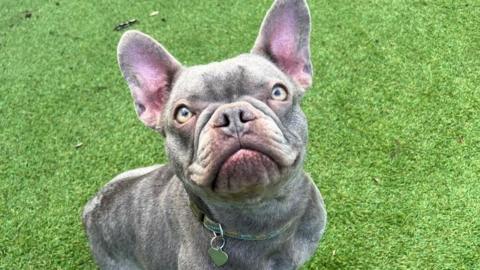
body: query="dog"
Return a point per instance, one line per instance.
(234, 194)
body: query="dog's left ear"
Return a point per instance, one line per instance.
(284, 38)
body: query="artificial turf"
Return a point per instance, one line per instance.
(394, 122)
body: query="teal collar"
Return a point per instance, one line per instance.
(217, 228)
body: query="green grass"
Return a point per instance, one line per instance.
(394, 122)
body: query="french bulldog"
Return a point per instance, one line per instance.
(234, 194)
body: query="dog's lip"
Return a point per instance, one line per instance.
(205, 174)
(221, 163)
(246, 150)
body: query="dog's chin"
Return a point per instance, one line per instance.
(246, 173)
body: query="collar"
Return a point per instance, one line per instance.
(210, 224)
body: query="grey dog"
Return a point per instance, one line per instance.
(234, 194)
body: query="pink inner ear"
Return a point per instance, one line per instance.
(284, 49)
(153, 82)
(282, 37)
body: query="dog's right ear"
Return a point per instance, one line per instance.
(149, 70)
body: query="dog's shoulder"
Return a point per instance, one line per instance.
(124, 183)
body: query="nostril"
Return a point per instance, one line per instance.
(222, 121)
(226, 120)
(246, 116)
(242, 117)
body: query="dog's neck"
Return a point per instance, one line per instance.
(266, 216)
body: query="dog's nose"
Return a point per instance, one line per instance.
(233, 118)
(236, 116)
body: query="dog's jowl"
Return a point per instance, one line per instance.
(234, 194)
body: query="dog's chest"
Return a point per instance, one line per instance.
(287, 251)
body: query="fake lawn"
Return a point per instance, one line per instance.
(394, 122)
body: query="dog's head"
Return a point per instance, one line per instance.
(234, 129)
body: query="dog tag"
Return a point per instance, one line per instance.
(219, 257)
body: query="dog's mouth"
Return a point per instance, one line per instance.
(246, 170)
(242, 159)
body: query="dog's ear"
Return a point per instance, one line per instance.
(149, 70)
(284, 39)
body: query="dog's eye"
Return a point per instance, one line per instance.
(183, 114)
(279, 92)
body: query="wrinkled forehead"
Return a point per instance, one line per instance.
(227, 80)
